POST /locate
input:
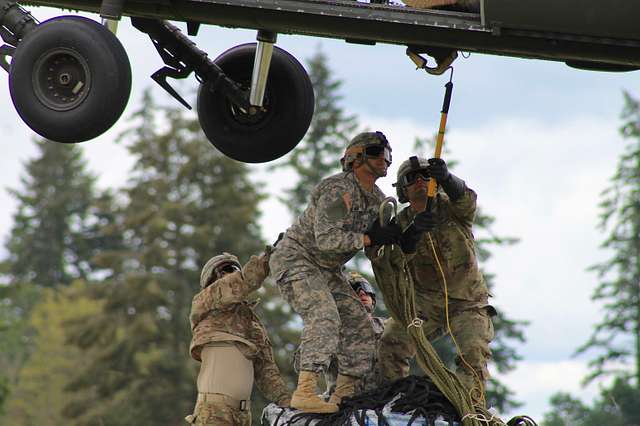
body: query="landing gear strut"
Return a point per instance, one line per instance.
(255, 104)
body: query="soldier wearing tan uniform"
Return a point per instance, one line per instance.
(449, 224)
(307, 265)
(232, 344)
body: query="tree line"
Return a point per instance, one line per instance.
(96, 285)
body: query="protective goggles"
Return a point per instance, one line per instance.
(374, 151)
(364, 286)
(411, 177)
(227, 268)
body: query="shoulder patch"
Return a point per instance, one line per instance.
(337, 209)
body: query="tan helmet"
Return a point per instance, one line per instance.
(215, 262)
(356, 149)
(412, 164)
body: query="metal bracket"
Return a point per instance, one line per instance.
(444, 58)
(182, 57)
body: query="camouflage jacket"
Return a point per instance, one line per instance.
(221, 313)
(331, 229)
(455, 245)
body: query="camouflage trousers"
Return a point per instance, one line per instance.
(471, 327)
(219, 410)
(335, 322)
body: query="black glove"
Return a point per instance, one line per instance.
(425, 221)
(381, 235)
(409, 239)
(452, 185)
(437, 169)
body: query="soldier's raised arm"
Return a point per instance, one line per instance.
(463, 199)
(230, 288)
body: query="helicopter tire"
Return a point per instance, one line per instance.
(268, 134)
(70, 79)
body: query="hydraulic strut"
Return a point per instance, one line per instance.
(15, 23)
(182, 57)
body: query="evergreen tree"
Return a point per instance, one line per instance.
(39, 395)
(617, 405)
(184, 203)
(318, 155)
(47, 246)
(617, 337)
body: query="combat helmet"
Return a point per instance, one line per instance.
(214, 263)
(358, 282)
(412, 165)
(363, 142)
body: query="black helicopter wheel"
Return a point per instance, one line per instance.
(70, 79)
(266, 134)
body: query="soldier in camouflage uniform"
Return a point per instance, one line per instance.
(367, 295)
(307, 264)
(449, 223)
(231, 343)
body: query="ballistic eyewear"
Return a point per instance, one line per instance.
(364, 286)
(376, 150)
(411, 177)
(228, 268)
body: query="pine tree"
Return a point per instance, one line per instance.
(39, 396)
(47, 238)
(318, 155)
(617, 405)
(47, 246)
(617, 336)
(184, 203)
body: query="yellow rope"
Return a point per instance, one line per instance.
(401, 302)
(478, 390)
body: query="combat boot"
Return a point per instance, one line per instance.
(345, 386)
(305, 398)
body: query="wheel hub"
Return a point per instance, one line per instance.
(61, 79)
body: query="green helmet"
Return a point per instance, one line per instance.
(358, 282)
(357, 148)
(412, 164)
(214, 263)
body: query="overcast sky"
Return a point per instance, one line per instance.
(537, 140)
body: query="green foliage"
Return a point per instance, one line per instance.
(616, 406)
(184, 203)
(616, 339)
(39, 396)
(318, 155)
(47, 245)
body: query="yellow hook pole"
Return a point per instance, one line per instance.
(431, 188)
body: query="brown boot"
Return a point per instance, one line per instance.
(305, 398)
(345, 386)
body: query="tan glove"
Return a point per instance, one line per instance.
(256, 270)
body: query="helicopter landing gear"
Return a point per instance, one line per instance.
(69, 79)
(258, 134)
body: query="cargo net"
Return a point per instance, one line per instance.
(413, 395)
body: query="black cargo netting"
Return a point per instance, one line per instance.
(418, 396)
